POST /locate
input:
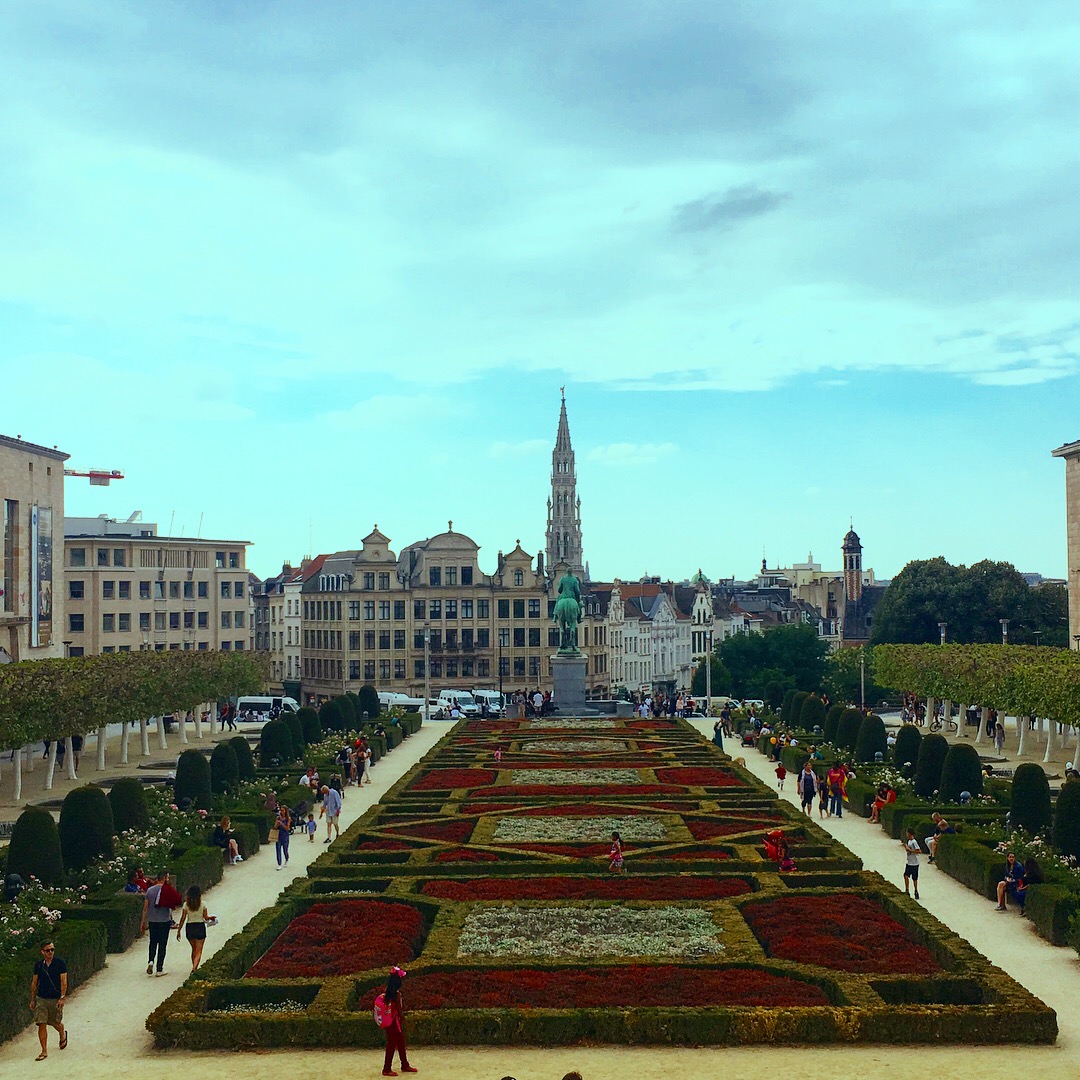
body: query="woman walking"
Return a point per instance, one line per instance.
(283, 824)
(194, 915)
(395, 1032)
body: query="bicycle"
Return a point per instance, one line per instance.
(937, 723)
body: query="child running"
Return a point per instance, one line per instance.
(615, 856)
(781, 772)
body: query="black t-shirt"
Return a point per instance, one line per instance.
(48, 978)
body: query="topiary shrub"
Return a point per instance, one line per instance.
(932, 751)
(906, 749)
(961, 771)
(785, 706)
(367, 702)
(774, 695)
(832, 722)
(275, 744)
(193, 779)
(847, 731)
(332, 716)
(1067, 820)
(872, 739)
(128, 805)
(1030, 806)
(34, 850)
(812, 714)
(224, 769)
(86, 827)
(244, 761)
(292, 722)
(309, 724)
(350, 710)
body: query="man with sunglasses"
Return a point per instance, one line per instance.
(48, 989)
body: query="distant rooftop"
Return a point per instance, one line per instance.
(33, 448)
(76, 528)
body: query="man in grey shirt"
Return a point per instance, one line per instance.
(331, 810)
(159, 922)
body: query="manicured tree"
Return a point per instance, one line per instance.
(292, 722)
(774, 695)
(275, 744)
(368, 703)
(932, 751)
(1029, 807)
(872, 739)
(797, 703)
(244, 761)
(906, 748)
(961, 771)
(86, 827)
(351, 705)
(832, 722)
(128, 805)
(332, 716)
(34, 850)
(224, 769)
(193, 779)
(1067, 820)
(847, 731)
(309, 722)
(812, 714)
(785, 706)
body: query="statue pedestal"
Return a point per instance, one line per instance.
(568, 685)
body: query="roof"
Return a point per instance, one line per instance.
(33, 448)
(1069, 450)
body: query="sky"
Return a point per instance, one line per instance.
(301, 268)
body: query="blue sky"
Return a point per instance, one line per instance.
(301, 268)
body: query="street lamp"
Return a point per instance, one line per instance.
(1076, 638)
(67, 648)
(941, 629)
(427, 670)
(1004, 631)
(498, 640)
(708, 670)
(1036, 634)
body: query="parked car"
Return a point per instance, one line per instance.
(757, 703)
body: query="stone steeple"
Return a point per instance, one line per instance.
(564, 506)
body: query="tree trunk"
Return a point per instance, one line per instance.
(1022, 728)
(50, 766)
(125, 734)
(931, 706)
(961, 721)
(984, 713)
(31, 753)
(18, 774)
(162, 744)
(1051, 740)
(213, 718)
(69, 757)
(144, 737)
(182, 719)
(197, 718)
(102, 746)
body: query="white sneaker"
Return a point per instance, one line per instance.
(158, 974)
(239, 858)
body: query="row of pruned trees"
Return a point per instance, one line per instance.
(55, 700)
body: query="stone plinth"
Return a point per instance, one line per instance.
(568, 684)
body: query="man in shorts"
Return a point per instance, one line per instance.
(331, 809)
(911, 870)
(48, 989)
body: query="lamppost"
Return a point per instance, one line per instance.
(67, 648)
(1036, 634)
(427, 671)
(498, 640)
(708, 670)
(1004, 631)
(1076, 638)
(941, 629)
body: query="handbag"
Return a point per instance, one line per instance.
(272, 835)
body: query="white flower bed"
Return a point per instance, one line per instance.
(575, 776)
(576, 746)
(595, 725)
(563, 932)
(578, 830)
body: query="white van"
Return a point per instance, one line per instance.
(464, 700)
(492, 698)
(256, 705)
(390, 699)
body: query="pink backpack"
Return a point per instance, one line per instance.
(382, 1012)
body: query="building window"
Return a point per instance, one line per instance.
(466, 609)
(451, 575)
(234, 560)
(354, 669)
(75, 623)
(436, 669)
(225, 646)
(384, 670)
(384, 610)
(384, 580)
(369, 669)
(369, 611)
(238, 589)
(451, 669)
(451, 609)
(483, 609)
(76, 555)
(553, 638)
(534, 609)
(418, 609)
(108, 590)
(75, 590)
(204, 620)
(534, 665)
(399, 639)
(483, 638)
(226, 590)
(159, 590)
(189, 620)
(519, 665)
(226, 620)
(519, 577)
(124, 622)
(118, 557)
(354, 641)
(125, 589)
(384, 640)
(108, 624)
(174, 590)
(369, 640)
(466, 669)
(435, 609)
(219, 560)
(504, 666)
(144, 590)
(503, 609)
(519, 609)
(144, 620)
(238, 618)
(466, 575)
(174, 620)
(399, 611)
(534, 637)
(189, 590)
(399, 669)
(369, 581)
(435, 575)
(418, 669)
(519, 637)
(504, 638)
(483, 669)
(103, 556)
(204, 589)
(354, 610)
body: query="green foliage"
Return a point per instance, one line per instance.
(797, 703)
(309, 723)
(1030, 808)
(224, 769)
(932, 751)
(961, 771)
(844, 676)
(244, 761)
(128, 804)
(120, 914)
(812, 714)
(774, 694)
(972, 864)
(276, 744)
(1067, 820)
(906, 748)
(86, 827)
(1052, 910)
(847, 730)
(794, 655)
(871, 739)
(367, 702)
(296, 730)
(721, 678)
(832, 721)
(350, 710)
(785, 706)
(193, 779)
(332, 717)
(34, 850)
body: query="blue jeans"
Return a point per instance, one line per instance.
(282, 846)
(836, 805)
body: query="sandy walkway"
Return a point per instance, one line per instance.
(106, 1016)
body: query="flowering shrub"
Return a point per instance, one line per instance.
(456, 832)
(588, 888)
(29, 919)
(709, 830)
(576, 746)
(578, 791)
(575, 776)
(572, 851)
(466, 855)
(612, 987)
(447, 779)
(843, 932)
(568, 830)
(565, 932)
(698, 777)
(343, 937)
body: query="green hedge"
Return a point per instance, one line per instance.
(120, 914)
(860, 797)
(972, 863)
(197, 865)
(1051, 908)
(394, 736)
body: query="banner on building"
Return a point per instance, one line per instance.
(41, 575)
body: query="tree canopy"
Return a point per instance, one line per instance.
(791, 655)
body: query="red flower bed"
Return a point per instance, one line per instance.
(650, 725)
(581, 791)
(341, 938)
(466, 855)
(588, 888)
(384, 845)
(455, 832)
(709, 830)
(694, 854)
(698, 777)
(573, 851)
(846, 933)
(612, 987)
(447, 779)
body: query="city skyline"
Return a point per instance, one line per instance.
(794, 268)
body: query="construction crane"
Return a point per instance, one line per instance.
(97, 477)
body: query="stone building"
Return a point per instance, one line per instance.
(126, 588)
(32, 623)
(1070, 453)
(278, 624)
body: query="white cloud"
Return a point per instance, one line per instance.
(623, 454)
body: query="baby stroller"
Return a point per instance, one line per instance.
(298, 815)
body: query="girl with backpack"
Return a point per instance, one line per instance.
(389, 1013)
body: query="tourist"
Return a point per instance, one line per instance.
(395, 1032)
(282, 826)
(999, 737)
(312, 827)
(48, 990)
(331, 810)
(194, 916)
(941, 827)
(885, 795)
(823, 801)
(225, 839)
(365, 764)
(808, 787)
(615, 856)
(270, 803)
(911, 870)
(718, 734)
(781, 774)
(836, 780)
(158, 906)
(1014, 872)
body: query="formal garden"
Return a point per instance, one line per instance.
(485, 872)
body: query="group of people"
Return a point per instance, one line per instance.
(657, 705)
(829, 791)
(355, 762)
(1015, 881)
(529, 703)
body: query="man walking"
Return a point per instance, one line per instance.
(157, 918)
(331, 810)
(48, 989)
(911, 870)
